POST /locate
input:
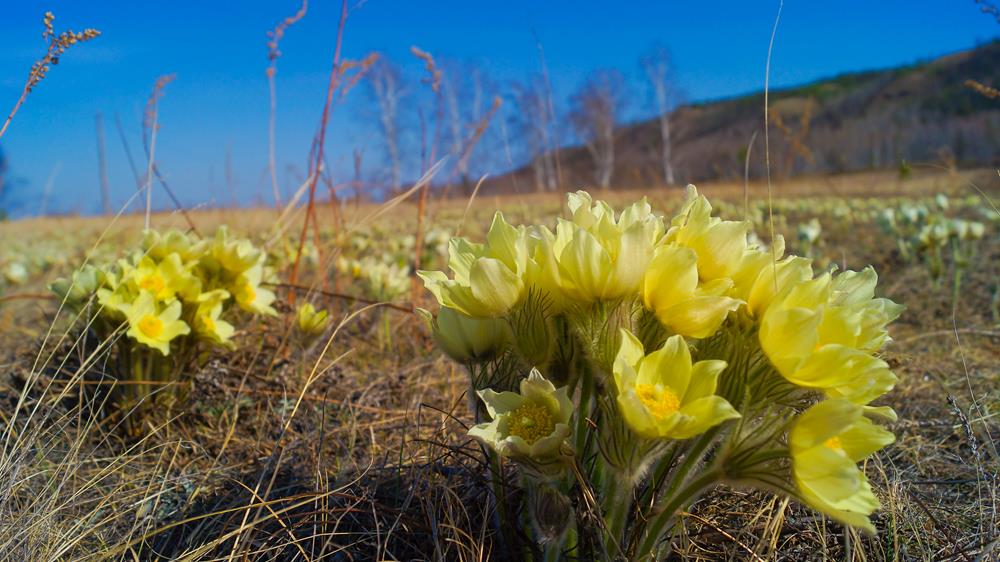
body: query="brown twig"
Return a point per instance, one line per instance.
(715, 528)
(58, 44)
(341, 296)
(149, 127)
(938, 526)
(434, 80)
(360, 69)
(481, 127)
(274, 37)
(150, 124)
(982, 89)
(316, 153)
(550, 105)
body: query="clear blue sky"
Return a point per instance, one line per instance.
(219, 101)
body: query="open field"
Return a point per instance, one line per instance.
(352, 445)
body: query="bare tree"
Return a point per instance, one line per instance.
(795, 139)
(658, 66)
(469, 98)
(596, 109)
(450, 85)
(386, 86)
(533, 124)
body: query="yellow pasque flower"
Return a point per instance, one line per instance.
(671, 290)
(116, 295)
(853, 293)
(159, 246)
(465, 338)
(821, 333)
(152, 324)
(826, 442)
(763, 273)
(719, 244)
(531, 424)
(488, 278)
(250, 295)
(601, 257)
(206, 318)
(542, 274)
(165, 279)
(310, 321)
(662, 395)
(236, 256)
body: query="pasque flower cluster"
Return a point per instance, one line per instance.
(657, 358)
(172, 300)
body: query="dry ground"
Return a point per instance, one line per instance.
(356, 450)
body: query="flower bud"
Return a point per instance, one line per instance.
(311, 322)
(76, 290)
(466, 339)
(552, 513)
(15, 273)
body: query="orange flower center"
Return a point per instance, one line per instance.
(151, 326)
(659, 401)
(153, 283)
(834, 443)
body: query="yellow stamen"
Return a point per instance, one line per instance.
(208, 323)
(834, 443)
(151, 326)
(659, 401)
(531, 422)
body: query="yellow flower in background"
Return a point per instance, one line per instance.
(531, 424)
(311, 322)
(236, 256)
(826, 442)
(153, 324)
(662, 395)
(599, 257)
(488, 278)
(465, 338)
(207, 321)
(158, 246)
(671, 290)
(249, 293)
(15, 273)
(80, 286)
(719, 244)
(820, 334)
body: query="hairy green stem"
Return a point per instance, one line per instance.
(667, 513)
